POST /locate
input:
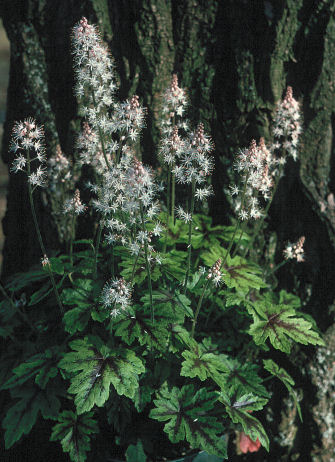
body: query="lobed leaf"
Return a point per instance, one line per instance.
(186, 413)
(279, 324)
(42, 367)
(74, 433)
(22, 416)
(100, 368)
(239, 412)
(285, 378)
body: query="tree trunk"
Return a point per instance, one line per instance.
(235, 57)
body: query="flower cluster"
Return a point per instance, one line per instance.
(171, 147)
(28, 137)
(94, 70)
(116, 296)
(256, 165)
(287, 126)
(128, 118)
(106, 118)
(125, 199)
(59, 171)
(214, 273)
(194, 163)
(174, 105)
(74, 206)
(295, 251)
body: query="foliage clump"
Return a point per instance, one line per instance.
(127, 326)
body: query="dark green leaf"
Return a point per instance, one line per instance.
(280, 324)
(239, 411)
(41, 367)
(237, 273)
(136, 325)
(74, 433)
(135, 453)
(186, 413)
(285, 378)
(100, 367)
(21, 417)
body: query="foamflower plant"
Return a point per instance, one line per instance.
(161, 318)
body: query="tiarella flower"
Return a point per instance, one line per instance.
(74, 206)
(256, 167)
(183, 215)
(171, 147)
(287, 125)
(214, 273)
(295, 251)
(194, 161)
(174, 99)
(60, 174)
(28, 145)
(116, 296)
(45, 261)
(128, 118)
(38, 178)
(94, 70)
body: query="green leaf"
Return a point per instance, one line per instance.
(173, 265)
(136, 325)
(40, 294)
(135, 453)
(237, 273)
(177, 233)
(42, 367)
(186, 413)
(84, 296)
(172, 304)
(140, 275)
(74, 433)
(201, 363)
(100, 367)
(21, 280)
(21, 417)
(56, 266)
(242, 378)
(76, 319)
(285, 378)
(280, 324)
(239, 412)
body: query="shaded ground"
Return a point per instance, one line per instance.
(4, 73)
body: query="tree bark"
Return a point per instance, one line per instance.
(235, 57)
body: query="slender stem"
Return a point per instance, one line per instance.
(173, 196)
(119, 151)
(73, 221)
(189, 245)
(167, 207)
(147, 264)
(32, 206)
(237, 244)
(276, 268)
(134, 269)
(266, 210)
(97, 245)
(102, 141)
(238, 221)
(198, 308)
(231, 243)
(16, 308)
(112, 262)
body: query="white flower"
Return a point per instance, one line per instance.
(116, 295)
